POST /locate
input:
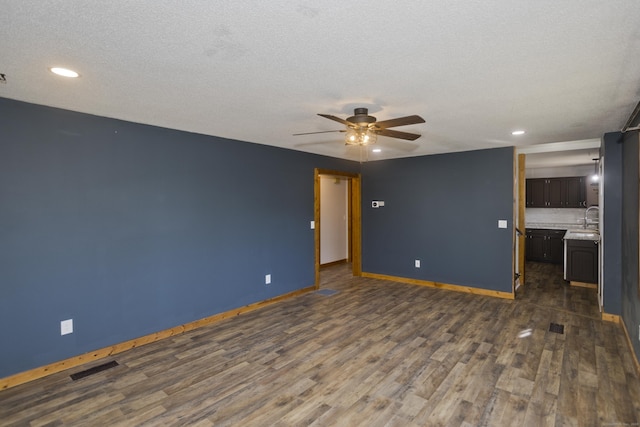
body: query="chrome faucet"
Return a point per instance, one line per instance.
(586, 215)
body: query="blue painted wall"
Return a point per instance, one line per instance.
(444, 210)
(131, 229)
(630, 297)
(612, 219)
(621, 295)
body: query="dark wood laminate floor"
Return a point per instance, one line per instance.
(373, 354)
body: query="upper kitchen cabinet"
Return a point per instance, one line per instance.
(574, 192)
(556, 192)
(569, 192)
(537, 193)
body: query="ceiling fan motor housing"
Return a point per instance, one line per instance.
(361, 117)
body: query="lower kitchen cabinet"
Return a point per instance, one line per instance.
(544, 245)
(582, 261)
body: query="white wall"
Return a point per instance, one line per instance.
(333, 219)
(559, 172)
(561, 216)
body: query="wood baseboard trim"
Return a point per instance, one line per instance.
(52, 368)
(332, 263)
(634, 356)
(446, 286)
(611, 317)
(584, 285)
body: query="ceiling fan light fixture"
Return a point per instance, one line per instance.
(351, 137)
(360, 137)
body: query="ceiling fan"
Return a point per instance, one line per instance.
(363, 129)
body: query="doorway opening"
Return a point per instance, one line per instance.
(339, 241)
(540, 254)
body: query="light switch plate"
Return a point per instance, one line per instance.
(502, 223)
(313, 225)
(267, 279)
(417, 263)
(66, 327)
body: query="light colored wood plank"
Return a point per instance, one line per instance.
(522, 199)
(584, 284)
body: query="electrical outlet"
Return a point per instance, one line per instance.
(417, 263)
(66, 327)
(267, 279)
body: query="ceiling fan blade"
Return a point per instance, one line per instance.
(400, 121)
(322, 131)
(397, 134)
(337, 119)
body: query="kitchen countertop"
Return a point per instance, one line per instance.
(582, 234)
(553, 226)
(574, 231)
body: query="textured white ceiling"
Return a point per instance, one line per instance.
(260, 71)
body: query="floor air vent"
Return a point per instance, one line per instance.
(327, 292)
(94, 370)
(558, 329)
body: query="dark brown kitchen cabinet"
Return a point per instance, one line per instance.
(569, 192)
(582, 261)
(535, 245)
(556, 192)
(575, 192)
(556, 246)
(544, 245)
(536, 193)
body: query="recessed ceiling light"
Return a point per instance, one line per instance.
(376, 150)
(65, 72)
(517, 132)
